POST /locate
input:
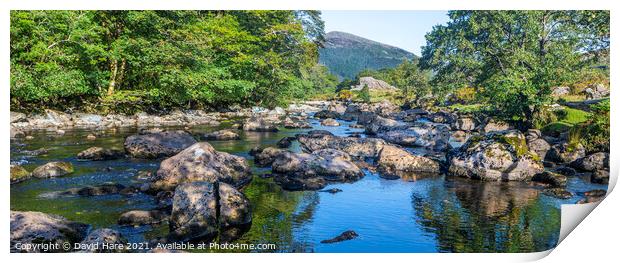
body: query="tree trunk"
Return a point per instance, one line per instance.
(113, 74)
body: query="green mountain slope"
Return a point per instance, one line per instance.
(346, 54)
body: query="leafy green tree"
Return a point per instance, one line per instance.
(514, 57)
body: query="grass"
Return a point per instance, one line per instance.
(574, 116)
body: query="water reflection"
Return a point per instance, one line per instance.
(468, 216)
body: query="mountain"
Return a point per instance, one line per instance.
(346, 54)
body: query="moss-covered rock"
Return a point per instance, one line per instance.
(18, 174)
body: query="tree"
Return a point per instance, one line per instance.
(514, 56)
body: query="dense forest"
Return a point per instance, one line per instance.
(125, 61)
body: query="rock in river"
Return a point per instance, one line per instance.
(330, 122)
(496, 156)
(302, 171)
(221, 135)
(565, 153)
(550, 178)
(200, 162)
(593, 162)
(158, 144)
(95, 241)
(29, 228)
(359, 148)
(53, 169)
(18, 174)
(395, 162)
(266, 156)
(421, 134)
(344, 236)
(195, 210)
(100, 154)
(142, 217)
(259, 124)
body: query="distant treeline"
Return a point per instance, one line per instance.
(121, 61)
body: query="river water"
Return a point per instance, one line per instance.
(436, 214)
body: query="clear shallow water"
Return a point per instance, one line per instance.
(434, 214)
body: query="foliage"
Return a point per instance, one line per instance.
(168, 59)
(345, 95)
(516, 55)
(364, 94)
(597, 130)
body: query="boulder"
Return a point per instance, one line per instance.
(593, 196)
(539, 146)
(600, 177)
(395, 162)
(565, 153)
(201, 162)
(380, 124)
(496, 156)
(359, 148)
(158, 144)
(142, 217)
(194, 212)
(596, 91)
(221, 135)
(234, 207)
(199, 209)
(421, 134)
(290, 123)
(560, 91)
(327, 114)
(100, 154)
(18, 174)
(592, 162)
(29, 228)
(17, 117)
(311, 171)
(465, 124)
(330, 122)
(443, 117)
(459, 136)
(267, 155)
(104, 240)
(495, 125)
(373, 84)
(560, 193)
(550, 178)
(53, 169)
(259, 124)
(285, 142)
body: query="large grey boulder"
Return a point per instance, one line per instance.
(29, 228)
(305, 171)
(373, 84)
(420, 134)
(592, 162)
(465, 124)
(104, 240)
(201, 162)
(359, 148)
(395, 162)
(221, 135)
(497, 156)
(380, 124)
(199, 209)
(266, 156)
(260, 124)
(158, 144)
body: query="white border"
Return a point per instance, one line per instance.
(594, 241)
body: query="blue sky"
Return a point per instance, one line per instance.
(403, 29)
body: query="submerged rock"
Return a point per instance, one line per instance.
(395, 162)
(560, 193)
(498, 156)
(221, 135)
(158, 144)
(100, 154)
(142, 217)
(593, 196)
(332, 190)
(39, 228)
(266, 156)
(600, 177)
(53, 169)
(344, 236)
(201, 162)
(95, 241)
(18, 174)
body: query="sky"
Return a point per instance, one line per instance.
(403, 29)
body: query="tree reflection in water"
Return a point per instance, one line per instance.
(474, 216)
